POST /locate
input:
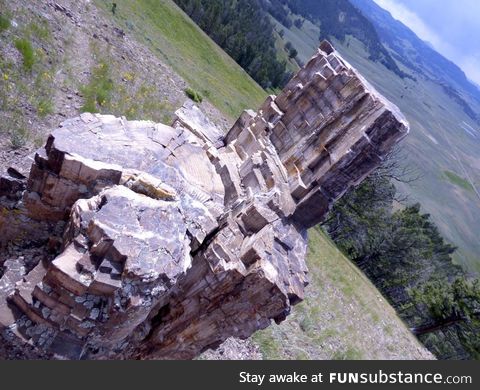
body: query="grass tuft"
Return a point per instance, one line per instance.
(194, 95)
(4, 23)
(269, 347)
(44, 107)
(98, 92)
(26, 49)
(39, 30)
(19, 137)
(167, 31)
(348, 354)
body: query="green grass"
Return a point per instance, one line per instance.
(4, 23)
(194, 95)
(44, 107)
(140, 102)
(24, 46)
(348, 354)
(342, 317)
(168, 32)
(305, 40)
(269, 346)
(282, 55)
(98, 92)
(29, 84)
(458, 180)
(39, 30)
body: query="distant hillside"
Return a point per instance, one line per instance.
(339, 19)
(418, 55)
(243, 29)
(443, 108)
(445, 135)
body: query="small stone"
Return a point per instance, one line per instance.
(94, 313)
(46, 312)
(88, 304)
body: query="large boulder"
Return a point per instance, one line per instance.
(175, 238)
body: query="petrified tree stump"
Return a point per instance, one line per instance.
(167, 240)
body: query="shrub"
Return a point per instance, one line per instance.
(40, 31)
(298, 23)
(19, 137)
(98, 92)
(25, 48)
(4, 23)
(44, 107)
(194, 95)
(292, 53)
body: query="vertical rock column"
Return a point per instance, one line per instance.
(330, 129)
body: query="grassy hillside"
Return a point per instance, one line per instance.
(137, 62)
(302, 39)
(168, 32)
(343, 316)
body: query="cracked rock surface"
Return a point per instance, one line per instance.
(132, 239)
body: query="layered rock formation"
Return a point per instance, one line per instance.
(162, 241)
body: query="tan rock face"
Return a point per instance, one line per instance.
(175, 238)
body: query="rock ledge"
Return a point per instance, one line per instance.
(157, 241)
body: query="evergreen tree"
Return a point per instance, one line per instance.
(243, 29)
(405, 256)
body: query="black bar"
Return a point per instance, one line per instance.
(136, 375)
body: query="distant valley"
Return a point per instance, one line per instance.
(441, 104)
